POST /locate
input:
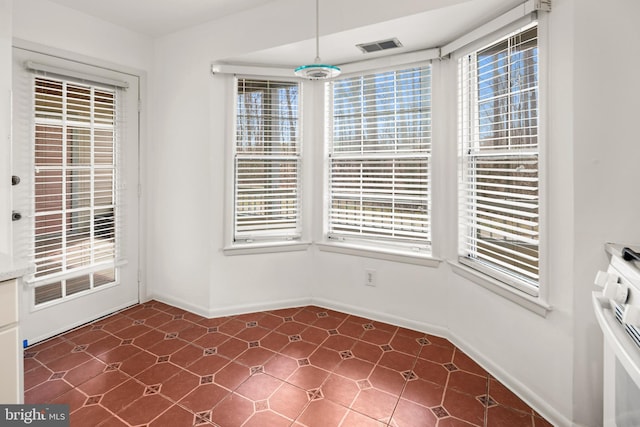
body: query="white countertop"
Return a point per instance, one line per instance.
(11, 268)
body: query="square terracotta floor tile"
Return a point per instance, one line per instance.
(409, 414)
(37, 376)
(340, 390)
(281, 366)
(89, 416)
(375, 404)
(74, 398)
(85, 371)
(267, 418)
(102, 383)
(204, 397)
(179, 385)
(157, 365)
(308, 377)
(46, 391)
(259, 387)
(233, 411)
(174, 416)
(145, 409)
(232, 375)
(288, 401)
(322, 413)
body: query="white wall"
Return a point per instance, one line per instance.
(606, 156)
(5, 126)
(554, 362)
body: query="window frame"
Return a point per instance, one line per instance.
(265, 243)
(398, 251)
(519, 291)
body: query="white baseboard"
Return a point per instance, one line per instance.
(261, 306)
(80, 323)
(383, 317)
(177, 302)
(526, 394)
(532, 399)
(230, 310)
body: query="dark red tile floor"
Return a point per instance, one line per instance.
(158, 365)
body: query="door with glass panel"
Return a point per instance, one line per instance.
(75, 150)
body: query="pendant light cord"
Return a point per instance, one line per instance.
(317, 31)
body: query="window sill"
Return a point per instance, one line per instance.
(534, 304)
(265, 248)
(380, 253)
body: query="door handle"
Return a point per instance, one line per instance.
(16, 216)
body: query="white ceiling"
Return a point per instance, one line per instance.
(159, 17)
(434, 28)
(444, 22)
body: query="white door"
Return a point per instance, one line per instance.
(75, 152)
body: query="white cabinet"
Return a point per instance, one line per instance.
(10, 351)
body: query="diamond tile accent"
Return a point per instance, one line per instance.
(93, 400)
(152, 389)
(261, 405)
(257, 370)
(295, 338)
(409, 375)
(346, 354)
(487, 401)
(57, 375)
(202, 418)
(113, 366)
(303, 362)
(286, 373)
(440, 412)
(315, 394)
(364, 384)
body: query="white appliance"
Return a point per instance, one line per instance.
(617, 308)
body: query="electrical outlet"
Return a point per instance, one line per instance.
(370, 277)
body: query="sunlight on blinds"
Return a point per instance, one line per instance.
(379, 157)
(499, 200)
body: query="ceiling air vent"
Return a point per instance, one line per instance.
(380, 45)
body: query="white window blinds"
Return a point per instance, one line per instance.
(379, 129)
(499, 200)
(267, 156)
(73, 240)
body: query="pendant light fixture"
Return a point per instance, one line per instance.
(317, 70)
